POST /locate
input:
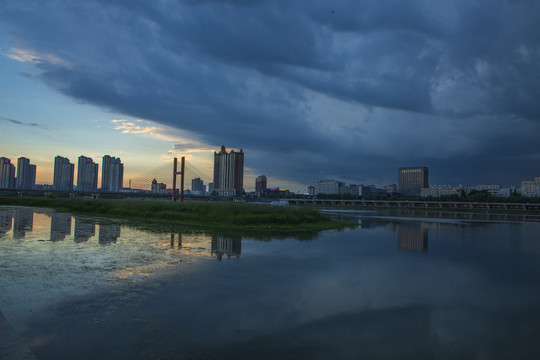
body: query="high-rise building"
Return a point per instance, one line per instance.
(87, 174)
(260, 184)
(7, 174)
(411, 180)
(26, 174)
(63, 174)
(229, 172)
(112, 174)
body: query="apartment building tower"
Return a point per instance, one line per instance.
(229, 172)
(7, 174)
(112, 174)
(87, 174)
(63, 174)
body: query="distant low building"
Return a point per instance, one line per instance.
(531, 188)
(328, 187)
(351, 189)
(441, 191)
(311, 190)
(391, 189)
(158, 188)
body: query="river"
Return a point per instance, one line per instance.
(398, 286)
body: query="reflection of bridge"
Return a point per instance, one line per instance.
(415, 204)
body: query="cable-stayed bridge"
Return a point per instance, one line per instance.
(164, 174)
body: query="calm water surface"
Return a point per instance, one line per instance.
(395, 287)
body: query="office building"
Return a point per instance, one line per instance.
(63, 174)
(229, 172)
(87, 174)
(411, 180)
(197, 185)
(531, 188)
(112, 174)
(353, 190)
(437, 192)
(7, 174)
(26, 174)
(157, 188)
(328, 186)
(260, 184)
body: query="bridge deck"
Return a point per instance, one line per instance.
(417, 204)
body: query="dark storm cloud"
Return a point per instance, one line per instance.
(348, 89)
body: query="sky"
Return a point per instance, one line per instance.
(348, 90)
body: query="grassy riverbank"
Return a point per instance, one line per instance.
(201, 214)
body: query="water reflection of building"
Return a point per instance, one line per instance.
(108, 233)
(179, 240)
(60, 226)
(226, 246)
(23, 221)
(370, 223)
(412, 237)
(6, 218)
(83, 230)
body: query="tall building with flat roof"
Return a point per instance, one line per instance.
(87, 174)
(412, 179)
(229, 172)
(63, 174)
(112, 174)
(7, 174)
(26, 174)
(260, 184)
(197, 184)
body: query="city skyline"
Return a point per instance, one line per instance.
(350, 91)
(91, 176)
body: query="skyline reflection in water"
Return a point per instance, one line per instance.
(436, 288)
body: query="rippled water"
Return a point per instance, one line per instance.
(395, 287)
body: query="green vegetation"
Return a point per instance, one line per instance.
(202, 214)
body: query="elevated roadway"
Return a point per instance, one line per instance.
(416, 204)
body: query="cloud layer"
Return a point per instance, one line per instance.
(349, 90)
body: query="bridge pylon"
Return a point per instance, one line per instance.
(181, 173)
